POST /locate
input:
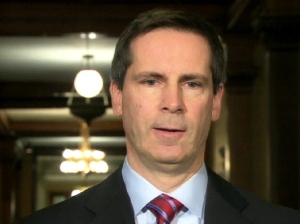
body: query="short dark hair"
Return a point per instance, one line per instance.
(160, 19)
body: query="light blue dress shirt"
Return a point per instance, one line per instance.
(192, 194)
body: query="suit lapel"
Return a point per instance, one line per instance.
(224, 204)
(111, 203)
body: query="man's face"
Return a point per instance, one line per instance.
(167, 102)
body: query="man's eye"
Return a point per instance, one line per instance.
(150, 82)
(193, 84)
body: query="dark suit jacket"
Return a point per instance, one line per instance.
(109, 203)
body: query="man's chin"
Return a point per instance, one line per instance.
(169, 161)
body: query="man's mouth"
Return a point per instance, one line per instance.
(169, 130)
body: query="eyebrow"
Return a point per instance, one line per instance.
(150, 75)
(182, 78)
(196, 76)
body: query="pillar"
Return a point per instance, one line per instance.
(280, 39)
(7, 165)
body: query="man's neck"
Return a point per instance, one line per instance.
(165, 177)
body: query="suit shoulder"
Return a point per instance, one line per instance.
(264, 212)
(66, 212)
(248, 205)
(76, 209)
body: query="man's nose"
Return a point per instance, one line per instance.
(172, 99)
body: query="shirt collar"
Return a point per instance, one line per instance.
(191, 193)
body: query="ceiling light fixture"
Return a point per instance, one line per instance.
(84, 159)
(88, 82)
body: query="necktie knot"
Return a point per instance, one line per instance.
(164, 208)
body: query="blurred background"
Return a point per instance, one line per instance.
(54, 140)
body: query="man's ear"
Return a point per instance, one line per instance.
(217, 103)
(116, 98)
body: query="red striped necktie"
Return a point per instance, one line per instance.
(164, 208)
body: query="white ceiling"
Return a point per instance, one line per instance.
(44, 58)
(53, 59)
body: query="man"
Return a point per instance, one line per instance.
(167, 82)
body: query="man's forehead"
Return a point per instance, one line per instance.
(156, 41)
(153, 37)
(176, 29)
